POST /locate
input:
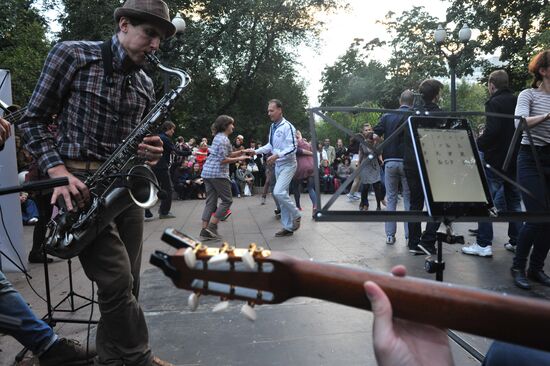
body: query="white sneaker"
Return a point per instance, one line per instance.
(353, 197)
(475, 249)
(390, 240)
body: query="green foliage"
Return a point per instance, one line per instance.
(23, 47)
(351, 81)
(469, 97)
(90, 20)
(235, 50)
(351, 121)
(515, 29)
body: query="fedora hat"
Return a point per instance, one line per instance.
(151, 11)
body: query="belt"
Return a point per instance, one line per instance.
(82, 165)
(540, 149)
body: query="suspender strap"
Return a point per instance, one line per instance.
(107, 57)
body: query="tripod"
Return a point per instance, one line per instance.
(49, 318)
(437, 266)
(71, 295)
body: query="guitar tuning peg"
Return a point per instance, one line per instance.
(248, 260)
(248, 311)
(193, 301)
(218, 258)
(190, 257)
(221, 306)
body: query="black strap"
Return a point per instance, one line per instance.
(107, 56)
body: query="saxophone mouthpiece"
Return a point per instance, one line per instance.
(152, 59)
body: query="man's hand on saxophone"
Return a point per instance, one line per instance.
(151, 149)
(76, 189)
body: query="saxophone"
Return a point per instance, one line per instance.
(121, 181)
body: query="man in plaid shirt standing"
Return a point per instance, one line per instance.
(100, 94)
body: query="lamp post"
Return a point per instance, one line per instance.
(452, 50)
(180, 25)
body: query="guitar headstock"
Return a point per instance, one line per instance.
(254, 274)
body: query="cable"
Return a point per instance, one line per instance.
(90, 322)
(23, 270)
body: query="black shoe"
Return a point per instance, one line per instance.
(296, 223)
(67, 352)
(38, 257)
(207, 234)
(423, 249)
(415, 250)
(473, 232)
(539, 276)
(519, 278)
(169, 215)
(284, 232)
(430, 248)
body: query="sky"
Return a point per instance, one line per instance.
(357, 22)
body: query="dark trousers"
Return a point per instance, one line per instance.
(506, 354)
(163, 177)
(378, 193)
(417, 203)
(113, 262)
(533, 234)
(45, 210)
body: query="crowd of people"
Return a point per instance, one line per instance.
(220, 171)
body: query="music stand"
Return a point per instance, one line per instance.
(49, 318)
(454, 184)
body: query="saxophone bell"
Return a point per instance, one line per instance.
(142, 186)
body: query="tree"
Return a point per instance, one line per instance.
(235, 50)
(352, 81)
(23, 46)
(87, 20)
(513, 29)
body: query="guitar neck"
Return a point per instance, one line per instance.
(14, 118)
(508, 318)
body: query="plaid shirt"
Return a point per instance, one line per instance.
(93, 117)
(220, 150)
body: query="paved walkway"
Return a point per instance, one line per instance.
(301, 331)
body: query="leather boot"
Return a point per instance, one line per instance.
(539, 276)
(519, 278)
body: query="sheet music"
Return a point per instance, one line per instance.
(451, 166)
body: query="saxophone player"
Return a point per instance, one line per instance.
(100, 93)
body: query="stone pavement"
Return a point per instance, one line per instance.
(302, 331)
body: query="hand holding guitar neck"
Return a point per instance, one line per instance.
(260, 276)
(402, 342)
(5, 132)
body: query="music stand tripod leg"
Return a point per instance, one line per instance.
(438, 267)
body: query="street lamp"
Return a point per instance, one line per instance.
(452, 50)
(180, 25)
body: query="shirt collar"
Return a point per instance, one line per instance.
(276, 123)
(121, 58)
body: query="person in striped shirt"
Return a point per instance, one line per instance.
(534, 105)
